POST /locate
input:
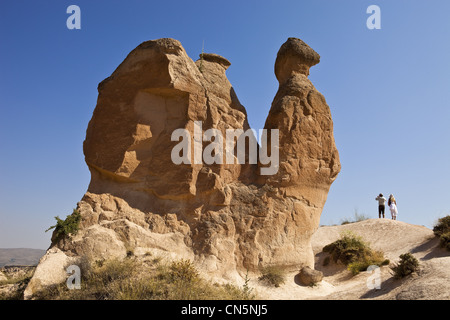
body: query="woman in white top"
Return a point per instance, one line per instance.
(392, 203)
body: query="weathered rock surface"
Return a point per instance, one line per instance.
(226, 217)
(392, 237)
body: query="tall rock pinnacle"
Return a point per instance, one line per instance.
(228, 217)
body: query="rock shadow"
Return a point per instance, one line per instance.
(385, 287)
(433, 246)
(329, 269)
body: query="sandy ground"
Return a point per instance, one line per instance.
(432, 281)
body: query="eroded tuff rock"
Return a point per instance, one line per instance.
(226, 217)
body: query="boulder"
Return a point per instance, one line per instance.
(309, 277)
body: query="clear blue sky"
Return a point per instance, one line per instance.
(388, 90)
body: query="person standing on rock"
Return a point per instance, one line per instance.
(392, 203)
(381, 201)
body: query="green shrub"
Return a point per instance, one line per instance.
(362, 264)
(272, 275)
(354, 253)
(442, 226)
(68, 226)
(445, 240)
(407, 265)
(442, 230)
(19, 283)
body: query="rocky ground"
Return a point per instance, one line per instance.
(432, 281)
(13, 280)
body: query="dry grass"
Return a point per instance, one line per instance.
(18, 282)
(273, 276)
(153, 279)
(353, 252)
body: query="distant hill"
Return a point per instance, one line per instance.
(20, 256)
